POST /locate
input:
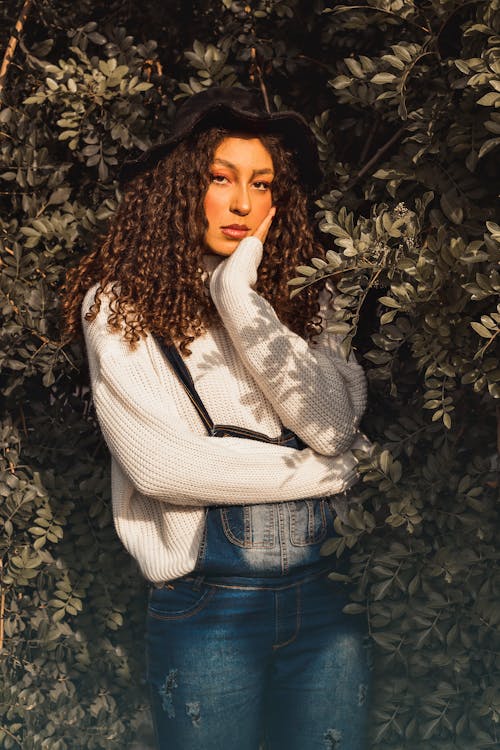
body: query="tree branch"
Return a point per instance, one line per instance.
(320, 64)
(345, 8)
(256, 68)
(11, 46)
(369, 140)
(376, 156)
(12, 736)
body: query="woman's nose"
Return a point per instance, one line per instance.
(240, 201)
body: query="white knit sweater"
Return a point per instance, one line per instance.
(252, 372)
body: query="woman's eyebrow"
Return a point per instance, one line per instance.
(232, 166)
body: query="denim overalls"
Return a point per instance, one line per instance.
(252, 650)
(268, 540)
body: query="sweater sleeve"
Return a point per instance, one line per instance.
(314, 390)
(165, 460)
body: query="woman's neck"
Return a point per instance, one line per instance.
(209, 262)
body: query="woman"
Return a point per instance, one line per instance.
(188, 321)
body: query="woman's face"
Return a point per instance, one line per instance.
(239, 195)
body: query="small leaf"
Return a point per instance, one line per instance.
(338, 327)
(451, 207)
(389, 302)
(60, 195)
(339, 577)
(481, 330)
(488, 146)
(489, 100)
(97, 38)
(318, 263)
(383, 78)
(385, 461)
(333, 258)
(388, 317)
(306, 270)
(354, 609)
(354, 67)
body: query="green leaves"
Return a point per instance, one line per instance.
(418, 291)
(59, 160)
(403, 102)
(392, 69)
(210, 62)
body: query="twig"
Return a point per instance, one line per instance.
(446, 21)
(329, 68)
(336, 11)
(23, 420)
(489, 342)
(377, 155)
(406, 75)
(263, 89)
(2, 605)
(369, 140)
(498, 429)
(11, 46)
(12, 736)
(256, 67)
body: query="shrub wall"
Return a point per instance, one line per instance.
(404, 99)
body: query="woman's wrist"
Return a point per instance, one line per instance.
(238, 270)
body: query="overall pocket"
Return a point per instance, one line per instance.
(307, 521)
(249, 526)
(179, 600)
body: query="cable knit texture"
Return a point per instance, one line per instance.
(252, 372)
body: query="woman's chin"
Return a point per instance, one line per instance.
(224, 249)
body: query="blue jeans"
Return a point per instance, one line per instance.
(265, 658)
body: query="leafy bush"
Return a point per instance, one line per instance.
(402, 97)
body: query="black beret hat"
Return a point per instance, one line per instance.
(235, 109)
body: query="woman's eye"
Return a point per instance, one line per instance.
(218, 178)
(262, 185)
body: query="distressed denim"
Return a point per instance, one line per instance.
(253, 650)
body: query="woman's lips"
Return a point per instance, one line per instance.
(235, 233)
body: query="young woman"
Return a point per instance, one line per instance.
(188, 322)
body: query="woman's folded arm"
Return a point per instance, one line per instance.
(165, 460)
(313, 389)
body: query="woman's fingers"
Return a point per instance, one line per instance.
(263, 228)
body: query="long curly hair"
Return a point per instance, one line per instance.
(149, 262)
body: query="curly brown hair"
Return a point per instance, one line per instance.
(149, 263)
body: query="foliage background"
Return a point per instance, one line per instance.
(404, 98)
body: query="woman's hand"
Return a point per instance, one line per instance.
(242, 264)
(263, 228)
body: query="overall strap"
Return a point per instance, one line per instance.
(184, 376)
(287, 437)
